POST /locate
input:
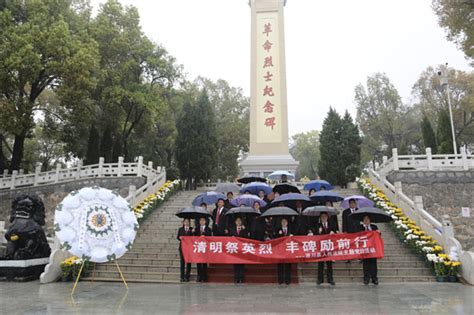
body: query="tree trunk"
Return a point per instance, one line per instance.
(17, 155)
(3, 160)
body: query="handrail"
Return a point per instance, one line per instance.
(428, 161)
(19, 180)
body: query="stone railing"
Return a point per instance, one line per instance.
(155, 179)
(442, 232)
(18, 180)
(428, 161)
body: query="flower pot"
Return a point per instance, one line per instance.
(440, 278)
(452, 279)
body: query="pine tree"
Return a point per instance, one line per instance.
(206, 155)
(330, 165)
(106, 145)
(429, 138)
(92, 155)
(350, 149)
(445, 141)
(186, 144)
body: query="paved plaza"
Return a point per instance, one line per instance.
(112, 298)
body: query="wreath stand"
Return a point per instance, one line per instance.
(80, 272)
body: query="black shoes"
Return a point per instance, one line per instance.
(375, 281)
(366, 281)
(331, 282)
(319, 281)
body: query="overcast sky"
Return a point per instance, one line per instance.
(331, 46)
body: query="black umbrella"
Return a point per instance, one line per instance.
(279, 211)
(317, 210)
(192, 213)
(290, 200)
(326, 195)
(249, 179)
(243, 210)
(285, 188)
(376, 215)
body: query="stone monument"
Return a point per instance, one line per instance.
(268, 102)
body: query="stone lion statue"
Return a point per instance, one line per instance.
(25, 236)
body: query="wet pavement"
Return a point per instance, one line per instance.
(113, 298)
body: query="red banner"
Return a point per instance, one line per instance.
(290, 249)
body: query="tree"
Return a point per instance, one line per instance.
(42, 45)
(330, 165)
(187, 144)
(93, 145)
(445, 140)
(231, 109)
(430, 98)
(206, 157)
(305, 150)
(429, 138)
(383, 119)
(456, 17)
(350, 148)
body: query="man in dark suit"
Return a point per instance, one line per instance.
(369, 264)
(185, 230)
(239, 231)
(219, 226)
(202, 230)
(349, 225)
(284, 269)
(325, 226)
(300, 223)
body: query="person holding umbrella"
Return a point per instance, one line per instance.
(230, 196)
(220, 224)
(325, 226)
(202, 230)
(239, 231)
(368, 215)
(369, 264)
(284, 269)
(185, 230)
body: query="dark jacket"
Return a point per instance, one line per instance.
(182, 232)
(349, 225)
(219, 230)
(373, 227)
(279, 232)
(207, 231)
(243, 232)
(331, 228)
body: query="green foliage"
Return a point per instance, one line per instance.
(443, 132)
(231, 109)
(350, 143)
(39, 49)
(429, 138)
(430, 98)
(457, 18)
(93, 145)
(383, 119)
(305, 150)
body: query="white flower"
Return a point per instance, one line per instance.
(427, 249)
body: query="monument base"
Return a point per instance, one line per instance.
(263, 165)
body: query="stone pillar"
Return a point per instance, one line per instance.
(119, 166)
(21, 171)
(465, 161)
(58, 169)
(429, 158)
(12, 183)
(140, 166)
(395, 159)
(79, 168)
(101, 167)
(5, 173)
(419, 207)
(268, 100)
(37, 172)
(132, 189)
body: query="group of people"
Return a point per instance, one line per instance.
(267, 228)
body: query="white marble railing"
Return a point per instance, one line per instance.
(428, 161)
(442, 232)
(19, 180)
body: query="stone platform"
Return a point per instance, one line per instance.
(190, 298)
(22, 270)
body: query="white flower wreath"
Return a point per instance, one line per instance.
(95, 224)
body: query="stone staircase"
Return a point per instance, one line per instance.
(154, 256)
